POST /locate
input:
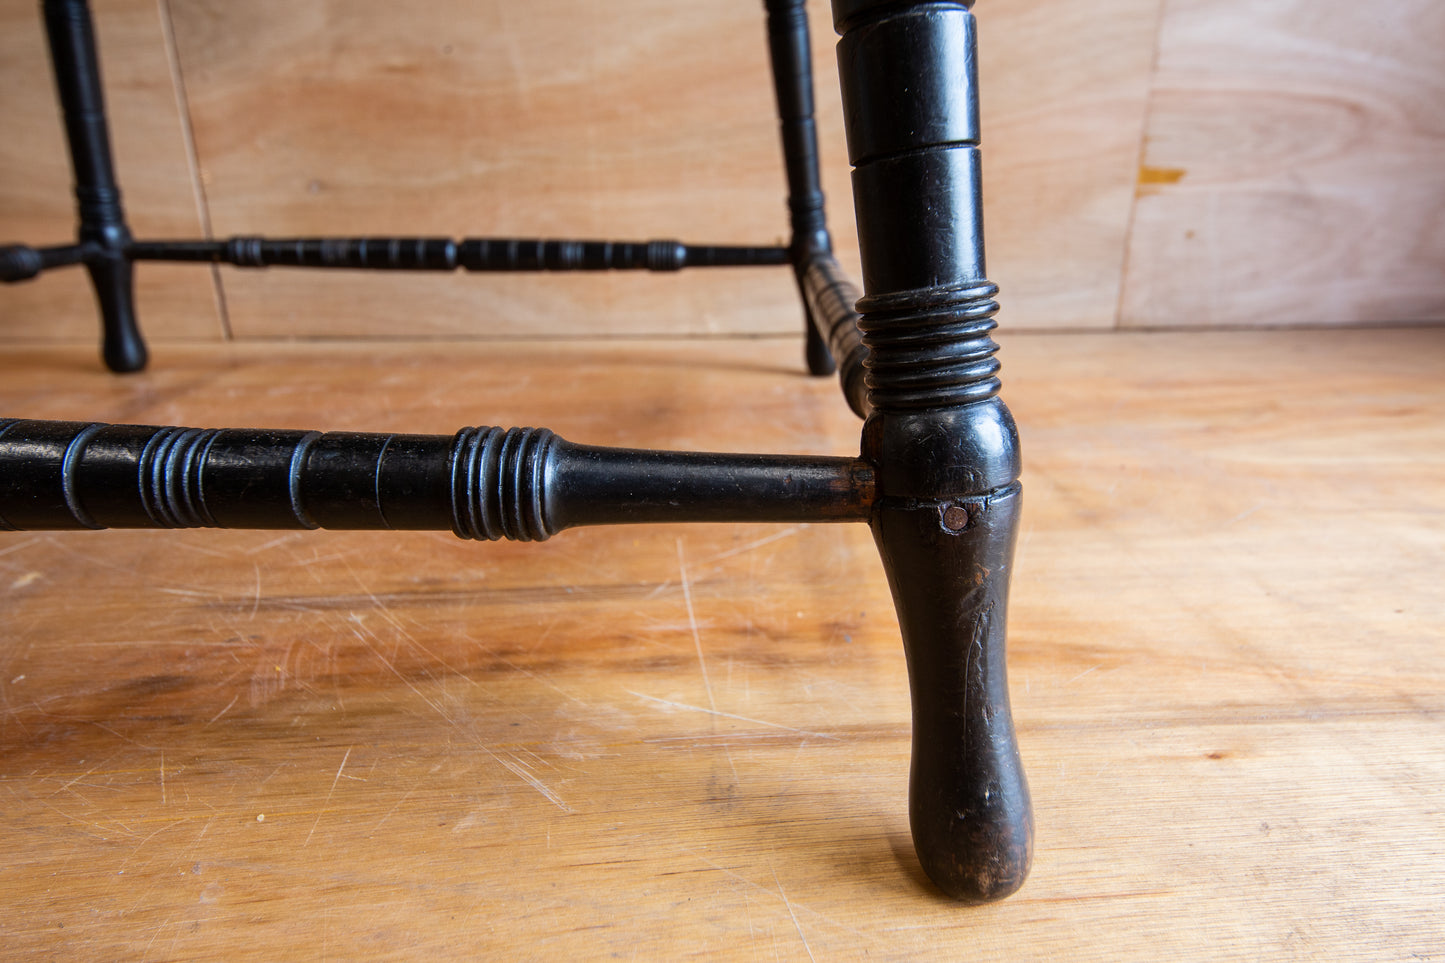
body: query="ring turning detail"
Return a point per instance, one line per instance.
(936, 477)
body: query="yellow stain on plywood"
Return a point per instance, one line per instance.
(1152, 178)
(1160, 175)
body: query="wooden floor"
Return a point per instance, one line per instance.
(1227, 666)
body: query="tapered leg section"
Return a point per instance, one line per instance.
(103, 231)
(122, 347)
(819, 358)
(968, 802)
(945, 527)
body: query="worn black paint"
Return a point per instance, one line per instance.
(937, 479)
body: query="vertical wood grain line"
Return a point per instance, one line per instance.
(193, 161)
(1144, 118)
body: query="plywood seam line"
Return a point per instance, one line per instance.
(1145, 115)
(193, 160)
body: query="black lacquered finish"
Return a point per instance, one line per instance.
(525, 484)
(937, 479)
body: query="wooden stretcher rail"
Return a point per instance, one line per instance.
(20, 263)
(488, 483)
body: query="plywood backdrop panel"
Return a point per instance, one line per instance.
(36, 204)
(1289, 159)
(645, 119)
(1293, 171)
(1064, 90)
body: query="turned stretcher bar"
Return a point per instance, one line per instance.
(525, 484)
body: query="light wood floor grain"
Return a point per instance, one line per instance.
(1228, 672)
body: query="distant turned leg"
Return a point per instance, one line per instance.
(943, 444)
(792, 64)
(103, 231)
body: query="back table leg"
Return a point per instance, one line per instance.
(943, 444)
(103, 231)
(792, 65)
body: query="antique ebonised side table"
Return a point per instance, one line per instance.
(936, 479)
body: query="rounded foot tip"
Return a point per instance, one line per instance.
(125, 357)
(820, 362)
(984, 866)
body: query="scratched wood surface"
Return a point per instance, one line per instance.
(36, 203)
(1227, 671)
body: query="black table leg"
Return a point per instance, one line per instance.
(792, 63)
(943, 444)
(103, 231)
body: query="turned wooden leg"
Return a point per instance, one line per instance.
(944, 446)
(103, 231)
(792, 65)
